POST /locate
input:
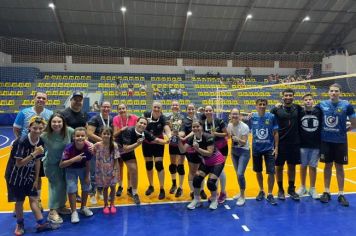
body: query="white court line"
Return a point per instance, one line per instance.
(351, 168)
(245, 228)
(346, 179)
(4, 155)
(236, 217)
(354, 150)
(227, 207)
(7, 140)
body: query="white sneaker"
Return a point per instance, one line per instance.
(313, 193)
(74, 217)
(86, 211)
(214, 205)
(240, 201)
(194, 204)
(237, 196)
(301, 191)
(93, 200)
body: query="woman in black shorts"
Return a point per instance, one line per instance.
(212, 163)
(157, 123)
(129, 140)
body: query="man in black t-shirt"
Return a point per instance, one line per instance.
(310, 126)
(73, 115)
(288, 117)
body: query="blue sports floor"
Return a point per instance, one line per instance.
(307, 217)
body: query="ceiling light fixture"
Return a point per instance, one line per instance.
(123, 9)
(249, 16)
(189, 13)
(307, 18)
(51, 5)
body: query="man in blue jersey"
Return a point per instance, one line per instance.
(334, 140)
(21, 124)
(265, 140)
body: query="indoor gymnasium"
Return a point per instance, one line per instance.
(177, 117)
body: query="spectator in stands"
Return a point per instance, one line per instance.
(74, 116)
(95, 107)
(248, 73)
(130, 92)
(95, 124)
(143, 88)
(179, 93)
(21, 125)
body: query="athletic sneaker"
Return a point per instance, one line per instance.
(213, 205)
(19, 230)
(46, 226)
(136, 199)
(271, 199)
(325, 197)
(113, 209)
(86, 211)
(106, 210)
(281, 195)
(74, 217)
(129, 192)
(149, 190)
(313, 193)
(237, 196)
(93, 200)
(54, 217)
(203, 195)
(240, 201)
(162, 194)
(342, 200)
(119, 191)
(194, 204)
(301, 191)
(179, 192)
(293, 195)
(260, 196)
(173, 189)
(222, 197)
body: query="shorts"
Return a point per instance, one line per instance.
(193, 158)
(215, 170)
(18, 194)
(309, 156)
(174, 150)
(152, 150)
(334, 152)
(269, 161)
(72, 175)
(289, 153)
(128, 157)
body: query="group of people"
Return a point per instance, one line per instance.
(66, 146)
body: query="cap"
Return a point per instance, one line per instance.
(77, 94)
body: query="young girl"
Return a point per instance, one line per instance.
(76, 159)
(22, 175)
(107, 154)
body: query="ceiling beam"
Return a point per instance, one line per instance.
(241, 25)
(185, 25)
(328, 29)
(305, 10)
(57, 19)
